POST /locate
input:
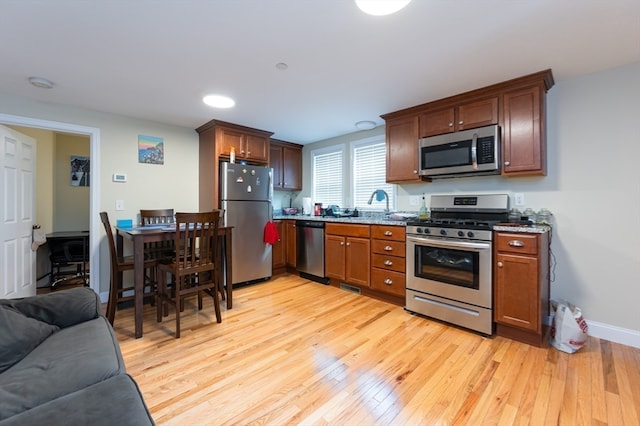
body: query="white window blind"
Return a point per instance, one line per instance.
(369, 174)
(327, 178)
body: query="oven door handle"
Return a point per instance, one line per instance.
(448, 244)
(474, 151)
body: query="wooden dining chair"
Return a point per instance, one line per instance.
(158, 249)
(119, 264)
(194, 267)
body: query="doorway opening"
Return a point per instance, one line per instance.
(94, 189)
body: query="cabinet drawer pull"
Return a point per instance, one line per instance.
(242, 151)
(388, 281)
(388, 262)
(388, 233)
(500, 264)
(516, 243)
(388, 248)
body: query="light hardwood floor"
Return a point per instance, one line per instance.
(293, 351)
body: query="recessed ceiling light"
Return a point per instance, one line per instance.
(218, 101)
(42, 83)
(282, 66)
(381, 7)
(365, 125)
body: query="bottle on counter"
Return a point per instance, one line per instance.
(424, 212)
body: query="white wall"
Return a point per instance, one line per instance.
(172, 185)
(592, 188)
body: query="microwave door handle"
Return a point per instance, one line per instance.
(474, 151)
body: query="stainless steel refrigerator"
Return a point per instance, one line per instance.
(245, 195)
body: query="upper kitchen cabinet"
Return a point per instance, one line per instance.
(517, 105)
(216, 140)
(402, 149)
(286, 161)
(461, 117)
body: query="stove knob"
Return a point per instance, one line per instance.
(470, 234)
(419, 230)
(443, 232)
(460, 233)
(427, 230)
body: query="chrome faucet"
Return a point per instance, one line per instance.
(376, 194)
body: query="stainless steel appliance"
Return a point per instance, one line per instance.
(245, 195)
(458, 154)
(449, 259)
(310, 250)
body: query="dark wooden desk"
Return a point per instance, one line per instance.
(147, 234)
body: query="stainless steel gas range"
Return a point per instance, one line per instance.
(449, 259)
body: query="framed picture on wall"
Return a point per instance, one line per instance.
(80, 171)
(150, 149)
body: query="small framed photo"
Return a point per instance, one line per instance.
(150, 149)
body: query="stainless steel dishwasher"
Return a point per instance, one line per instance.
(310, 250)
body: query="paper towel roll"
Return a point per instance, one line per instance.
(307, 205)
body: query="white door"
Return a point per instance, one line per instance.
(17, 192)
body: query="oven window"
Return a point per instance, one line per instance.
(451, 266)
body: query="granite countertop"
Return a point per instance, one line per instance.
(362, 220)
(531, 229)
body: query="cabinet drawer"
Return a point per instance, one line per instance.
(393, 248)
(388, 281)
(347, 230)
(391, 263)
(517, 243)
(388, 232)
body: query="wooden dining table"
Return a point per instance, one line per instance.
(140, 235)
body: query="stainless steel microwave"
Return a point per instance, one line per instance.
(458, 154)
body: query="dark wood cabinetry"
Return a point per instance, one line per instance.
(461, 117)
(388, 259)
(284, 251)
(402, 149)
(290, 233)
(279, 249)
(347, 251)
(521, 290)
(286, 161)
(216, 140)
(517, 105)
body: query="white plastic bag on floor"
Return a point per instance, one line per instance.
(569, 330)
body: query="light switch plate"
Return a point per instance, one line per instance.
(519, 198)
(119, 205)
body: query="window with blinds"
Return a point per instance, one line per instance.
(369, 174)
(328, 177)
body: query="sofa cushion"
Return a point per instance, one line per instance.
(63, 308)
(115, 401)
(69, 360)
(19, 335)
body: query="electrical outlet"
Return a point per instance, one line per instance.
(414, 200)
(519, 199)
(119, 205)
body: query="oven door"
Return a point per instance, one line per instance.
(453, 269)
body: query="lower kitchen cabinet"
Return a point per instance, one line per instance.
(388, 259)
(521, 286)
(279, 249)
(290, 236)
(347, 251)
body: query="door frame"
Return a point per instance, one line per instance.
(94, 189)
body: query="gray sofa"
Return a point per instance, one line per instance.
(60, 364)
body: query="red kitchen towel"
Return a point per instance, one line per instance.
(271, 235)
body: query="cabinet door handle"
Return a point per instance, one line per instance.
(248, 152)
(388, 233)
(341, 243)
(506, 163)
(388, 281)
(516, 243)
(500, 264)
(460, 122)
(388, 248)
(451, 124)
(415, 172)
(348, 244)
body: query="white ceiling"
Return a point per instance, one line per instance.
(155, 59)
